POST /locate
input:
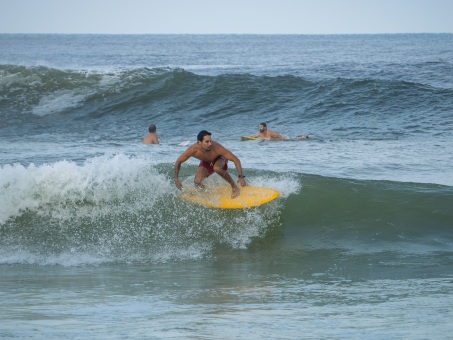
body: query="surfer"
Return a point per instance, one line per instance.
(213, 158)
(151, 136)
(264, 133)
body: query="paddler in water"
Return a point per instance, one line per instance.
(265, 133)
(151, 136)
(213, 158)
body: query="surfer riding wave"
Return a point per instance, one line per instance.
(214, 158)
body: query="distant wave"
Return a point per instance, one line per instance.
(40, 98)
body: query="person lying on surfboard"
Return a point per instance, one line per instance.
(213, 158)
(264, 133)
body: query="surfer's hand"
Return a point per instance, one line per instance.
(178, 184)
(241, 181)
(235, 192)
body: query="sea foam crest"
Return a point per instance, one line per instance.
(97, 181)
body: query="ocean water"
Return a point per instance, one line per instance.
(95, 244)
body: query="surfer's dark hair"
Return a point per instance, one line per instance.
(201, 135)
(152, 128)
(264, 124)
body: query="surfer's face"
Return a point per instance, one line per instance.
(261, 128)
(206, 143)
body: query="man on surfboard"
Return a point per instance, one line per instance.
(213, 158)
(264, 133)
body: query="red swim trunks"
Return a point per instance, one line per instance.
(210, 166)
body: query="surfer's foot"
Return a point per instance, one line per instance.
(235, 193)
(200, 187)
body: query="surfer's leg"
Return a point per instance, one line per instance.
(220, 167)
(200, 175)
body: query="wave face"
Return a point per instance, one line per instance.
(117, 209)
(114, 209)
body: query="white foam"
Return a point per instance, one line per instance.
(98, 180)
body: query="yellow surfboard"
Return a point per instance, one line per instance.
(244, 138)
(220, 197)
